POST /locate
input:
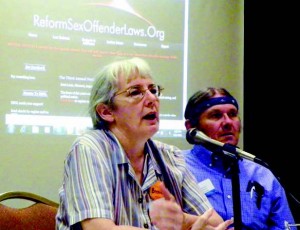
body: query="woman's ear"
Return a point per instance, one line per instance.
(188, 124)
(104, 111)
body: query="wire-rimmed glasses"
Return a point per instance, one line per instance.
(137, 92)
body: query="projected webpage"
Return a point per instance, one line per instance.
(50, 55)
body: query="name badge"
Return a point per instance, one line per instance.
(155, 191)
(207, 187)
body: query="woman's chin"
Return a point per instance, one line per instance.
(154, 129)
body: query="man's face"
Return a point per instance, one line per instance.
(221, 123)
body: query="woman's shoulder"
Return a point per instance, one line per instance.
(170, 153)
(167, 147)
(93, 138)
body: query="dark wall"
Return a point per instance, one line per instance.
(271, 117)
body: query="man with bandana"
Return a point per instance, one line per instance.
(263, 202)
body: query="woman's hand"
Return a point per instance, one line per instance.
(165, 213)
(202, 222)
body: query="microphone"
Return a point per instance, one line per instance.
(194, 136)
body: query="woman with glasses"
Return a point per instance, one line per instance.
(116, 176)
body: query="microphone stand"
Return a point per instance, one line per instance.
(232, 156)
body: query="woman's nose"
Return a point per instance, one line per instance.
(149, 94)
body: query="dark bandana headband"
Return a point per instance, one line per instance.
(215, 101)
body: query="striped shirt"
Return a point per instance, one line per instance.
(99, 182)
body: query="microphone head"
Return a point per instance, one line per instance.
(190, 136)
(194, 136)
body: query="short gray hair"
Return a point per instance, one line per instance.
(106, 84)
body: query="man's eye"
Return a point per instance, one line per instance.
(216, 115)
(233, 114)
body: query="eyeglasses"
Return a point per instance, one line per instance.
(288, 226)
(137, 92)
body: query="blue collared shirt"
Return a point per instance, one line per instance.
(264, 203)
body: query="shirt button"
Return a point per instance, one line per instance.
(228, 196)
(146, 226)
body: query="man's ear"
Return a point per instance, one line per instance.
(188, 124)
(104, 111)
